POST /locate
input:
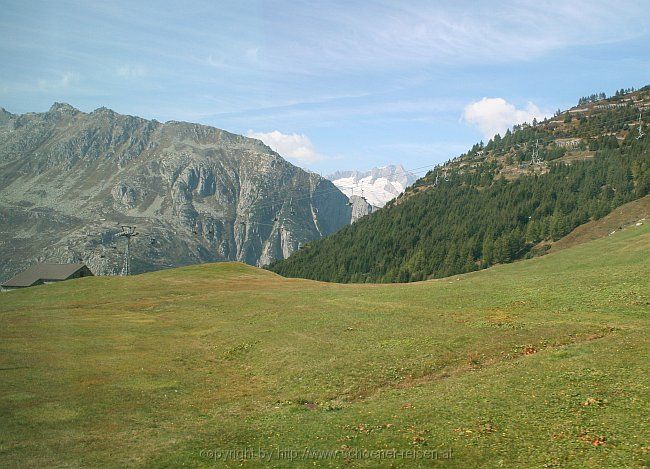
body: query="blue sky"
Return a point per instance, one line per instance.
(330, 85)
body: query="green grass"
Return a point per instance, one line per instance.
(540, 362)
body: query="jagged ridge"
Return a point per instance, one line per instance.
(196, 193)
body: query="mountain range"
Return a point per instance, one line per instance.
(69, 180)
(377, 186)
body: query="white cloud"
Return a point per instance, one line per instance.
(242, 60)
(252, 54)
(214, 61)
(495, 115)
(297, 147)
(334, 109)
(65, 80)
(131, 71)
(357, 35)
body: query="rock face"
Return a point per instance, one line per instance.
(360, 207)
(69, 179)
(377, 186)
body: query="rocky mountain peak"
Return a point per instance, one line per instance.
(196, 193)
(64, 108)
(5, 115)
(103, 111)
(378, 185)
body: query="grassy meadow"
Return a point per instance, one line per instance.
(538, 363)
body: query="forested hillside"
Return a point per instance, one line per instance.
(498, 202)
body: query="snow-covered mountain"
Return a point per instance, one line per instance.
(377, 186)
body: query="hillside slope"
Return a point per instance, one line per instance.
(497, 202)
(632, 213)
(68, 179)
(531, 364)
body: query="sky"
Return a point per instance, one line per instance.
(330, 85)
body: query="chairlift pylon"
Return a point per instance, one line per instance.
(641, 134)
